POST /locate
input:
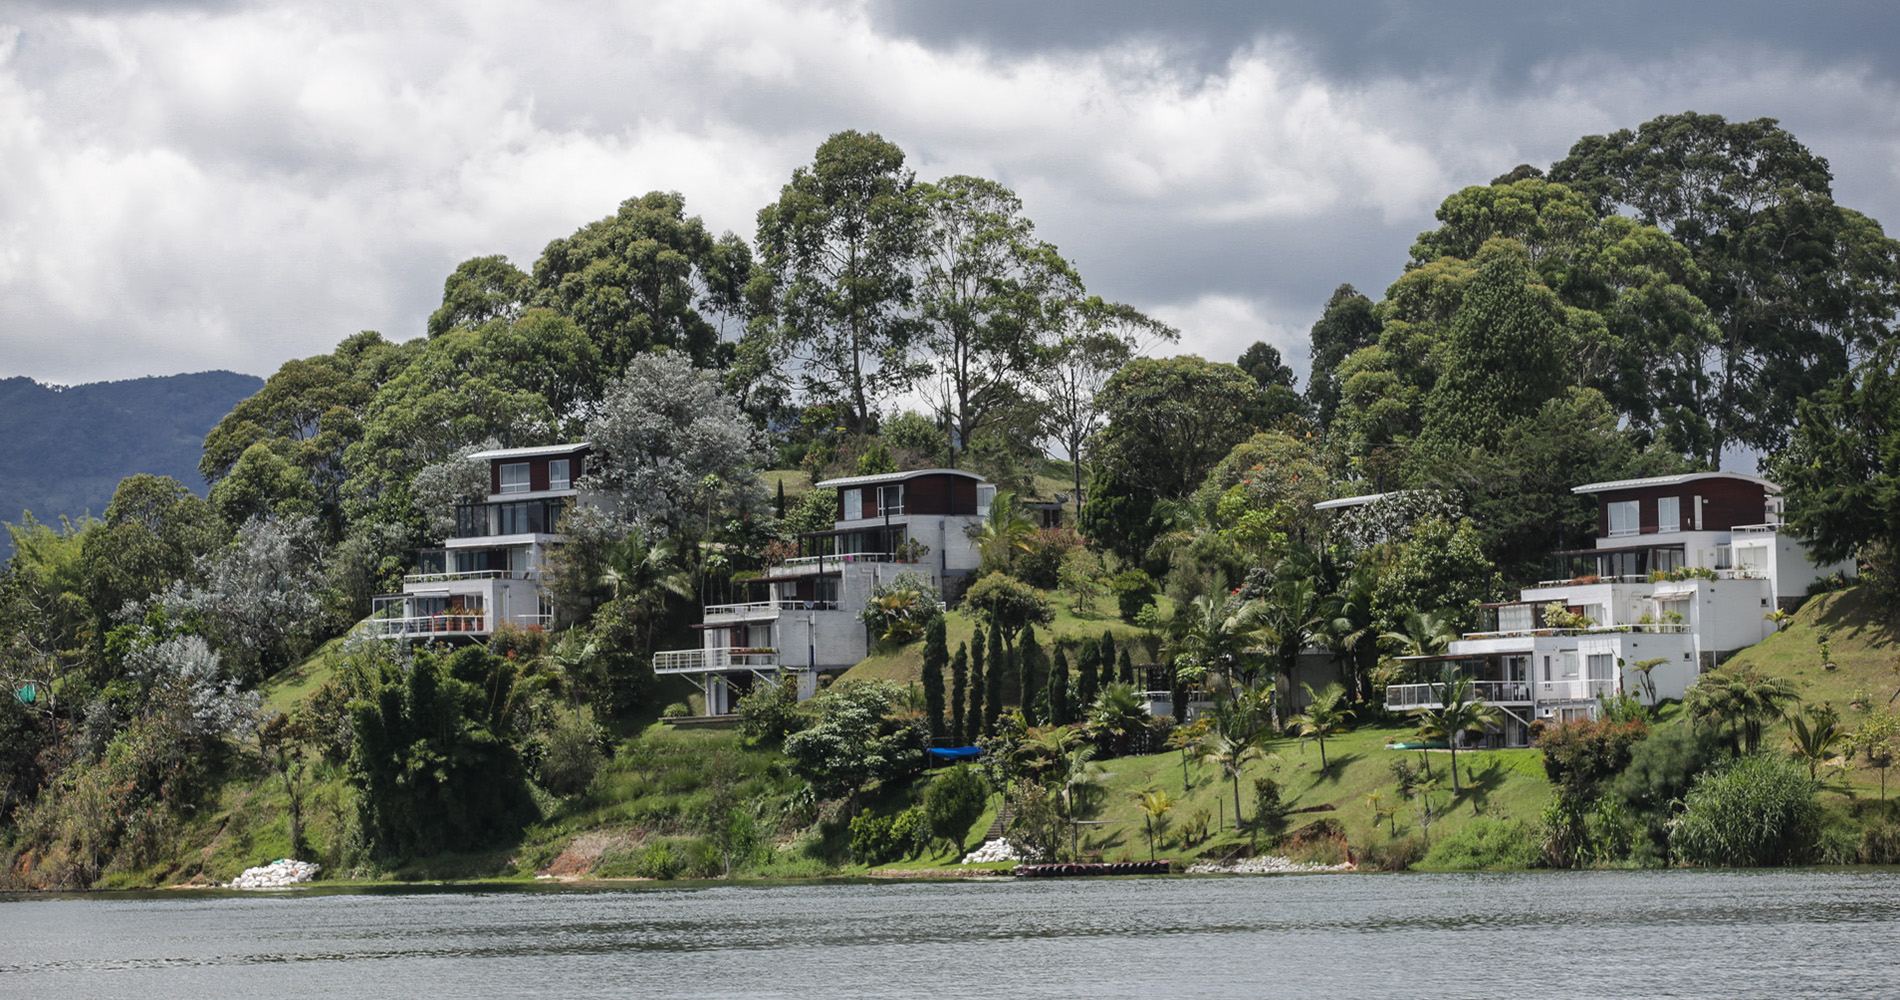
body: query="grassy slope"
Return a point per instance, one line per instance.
(1865, 653)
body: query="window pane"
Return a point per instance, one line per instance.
(1669, 514)
(853, 505)
(514, 477)
(557, 474)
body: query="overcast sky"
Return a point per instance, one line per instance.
(230, 185)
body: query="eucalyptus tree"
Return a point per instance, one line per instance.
(992, 298)
(1098, 339)
(839, 252)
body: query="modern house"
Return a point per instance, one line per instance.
(802, 615)
(489, 571)
(1684, 571)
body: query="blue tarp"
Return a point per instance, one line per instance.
(956, 753)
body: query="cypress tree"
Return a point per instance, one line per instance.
(779, 506)
(1059, 690)
(1128, 667)
(959, 693)
(1178, 697)
(1027, 653)
(978, 686)
(1088, 683)
(936, 656)
(1108, 660)
(993, 702)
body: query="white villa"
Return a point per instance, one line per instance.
(489, 572)
(1684, 571)
(802, 615)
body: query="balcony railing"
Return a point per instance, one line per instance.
(460, 623)
(1402, 696)
(773, 606)
(1592, 630)
(1574, 690)
(1755, 529)
(700, 661)
(479, 574)
(800, 562)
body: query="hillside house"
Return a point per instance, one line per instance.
(1684, 570)
(802, 615)
(488, 572)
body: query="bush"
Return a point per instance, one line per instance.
(1041, 566)
(677, 710)
(1486, 843)
(1269, 810)
(1391, 856)
(769, 712)
(1008, 602)
(1133, 590)
(878, 839)
(1754, 811)
(571, 752)
(899, 611)
(954, 801)
(1580, 756)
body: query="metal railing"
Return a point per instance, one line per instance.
(479, 574)
(800, 562)
(1755, 529)
(442, 624)
(1574, 690)
(1592, 630)
(699, 661)
(1427, 695)
(785, 604)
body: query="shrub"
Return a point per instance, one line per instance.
(677, 710)
(523, 643)
(878, 839)
(1269, 810)
(769, 712)
(658, 861)
(1007, 602)
(1754, 811)
(1486, 843)
(1041, 565)
(571, 752)
(1392, 856)
(1580, 756)
(900, 611)
(954, 801)
(1134, 590)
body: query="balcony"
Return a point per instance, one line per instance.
(793, 565)
(1665, 629)
(1400, 697)
(701, 661)
(1574, 690)
(457, 623)
(480, 574)
(767, 609)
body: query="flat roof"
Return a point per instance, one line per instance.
(893, 477)
(533, 452)
(1676, 480)
(1350, 501)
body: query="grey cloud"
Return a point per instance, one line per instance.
(1356, 38)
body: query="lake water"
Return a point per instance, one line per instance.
(1558, 934)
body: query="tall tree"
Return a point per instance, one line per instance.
(979, 691)
(1099, 338)
(1059, 714)
(1170, 420)
(936, 657)
(1028, 659)
(992, 298)
(1348, 324)
(481, 289)
(839, 250)
(1842, 470)
(647, 276)
(993, 695)
(1796, 285)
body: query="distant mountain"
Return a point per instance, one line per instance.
(63, 450)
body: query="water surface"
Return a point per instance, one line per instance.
(1554, 934)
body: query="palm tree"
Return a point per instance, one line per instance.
(1117, 715)
(1458, 712)
(646, 572)
(1079, 773)
(1294, 613)
(1814, 735)
(1155, 806)
(1223, 639)
(1422, 633)
(1351, 628)
(1005, 532)
(1232, 754)
(1740, 702)
(1325, 715)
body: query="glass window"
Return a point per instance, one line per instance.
(514, 477)
(1599, 665)
(890, 499)
(1669, 514)
(1570, 664)
(985, 495)
(853, 504)
(557, 474)
(1623, 517)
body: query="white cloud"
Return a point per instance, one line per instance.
(235, 187)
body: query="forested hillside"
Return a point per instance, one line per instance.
(64, 449)
(1658, 296)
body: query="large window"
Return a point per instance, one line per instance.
(853, 504)
(985, 495)
(1623, 517)
(514, 477)
(1600, 666)
(557, 474)
(890, 499)
(1669, 514)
